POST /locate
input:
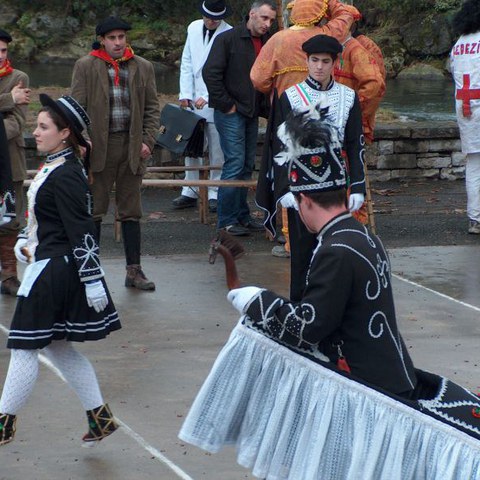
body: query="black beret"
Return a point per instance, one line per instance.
(111, 23)
(322, 44)
(5, 36)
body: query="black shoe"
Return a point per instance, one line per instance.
(253, 225)
(237, 230)
(184, 202)
(212, 205)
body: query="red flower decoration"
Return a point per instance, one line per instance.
(293, 176)
(476, 412)
(316, 161)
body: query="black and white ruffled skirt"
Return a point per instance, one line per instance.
(292, 418)
(56, 308)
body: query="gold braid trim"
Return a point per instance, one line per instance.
(313, 21)
(289, 69)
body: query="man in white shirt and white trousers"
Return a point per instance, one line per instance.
(193, 93)
(465, 63)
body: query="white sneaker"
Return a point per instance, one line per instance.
(474, 227)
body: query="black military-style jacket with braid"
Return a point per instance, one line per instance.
(348, 300)
(63, 210)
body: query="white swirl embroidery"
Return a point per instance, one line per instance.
(88, 254)
(383, 321)
(368, 294)
(383, 268)
(295, 320)
(298, 318)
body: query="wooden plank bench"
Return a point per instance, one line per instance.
(202, 169)
(202, 183)
(202, 189)
(202, 193)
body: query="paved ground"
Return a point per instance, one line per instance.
(410, 213)
(151, 370)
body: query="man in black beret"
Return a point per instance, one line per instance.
(14, 97)
(111, 23)
(343, 110)
(118, 90)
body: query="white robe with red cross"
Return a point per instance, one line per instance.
(465, 62)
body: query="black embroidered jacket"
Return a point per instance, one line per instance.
(63, 210)
(348, 300)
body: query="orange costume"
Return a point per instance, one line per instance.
(374, 50)
(356, 68)
(281, 62)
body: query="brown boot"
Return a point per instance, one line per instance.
(101, 424)
(7, 428)
(136, 278)
(10, 286)
(8, 276)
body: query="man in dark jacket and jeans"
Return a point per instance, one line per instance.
(237, 107)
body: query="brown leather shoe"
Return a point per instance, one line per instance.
(10, 286)
(137, 279)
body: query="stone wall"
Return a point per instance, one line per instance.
(401, 150)
(416, 149)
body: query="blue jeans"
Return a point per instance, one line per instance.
(238, 139)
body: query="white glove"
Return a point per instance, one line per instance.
(96, 295)
(21, 243)
(355, 201)
(240, 297)
(288, 201)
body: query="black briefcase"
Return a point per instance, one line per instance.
(181, 131)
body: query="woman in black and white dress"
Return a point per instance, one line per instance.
(63, 297)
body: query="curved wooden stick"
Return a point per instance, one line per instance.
(230, 249)
(230, 268)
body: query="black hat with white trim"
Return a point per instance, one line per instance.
(313, 150)
(71, 111)
(215, 9)
(74, 115)
(319, 171)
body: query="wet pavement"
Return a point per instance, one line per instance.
(407, 213)
(151, 370)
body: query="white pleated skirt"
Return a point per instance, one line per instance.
(293, 419)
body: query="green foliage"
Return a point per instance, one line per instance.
(445, 5)
(409, 7)
(24, 20)
(405, 7)
(163, 11)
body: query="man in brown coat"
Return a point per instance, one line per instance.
(117, 88)
(14, 97)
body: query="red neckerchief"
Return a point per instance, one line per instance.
(102, 54)
(6, 69)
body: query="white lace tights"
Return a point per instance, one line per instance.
(23, 372)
